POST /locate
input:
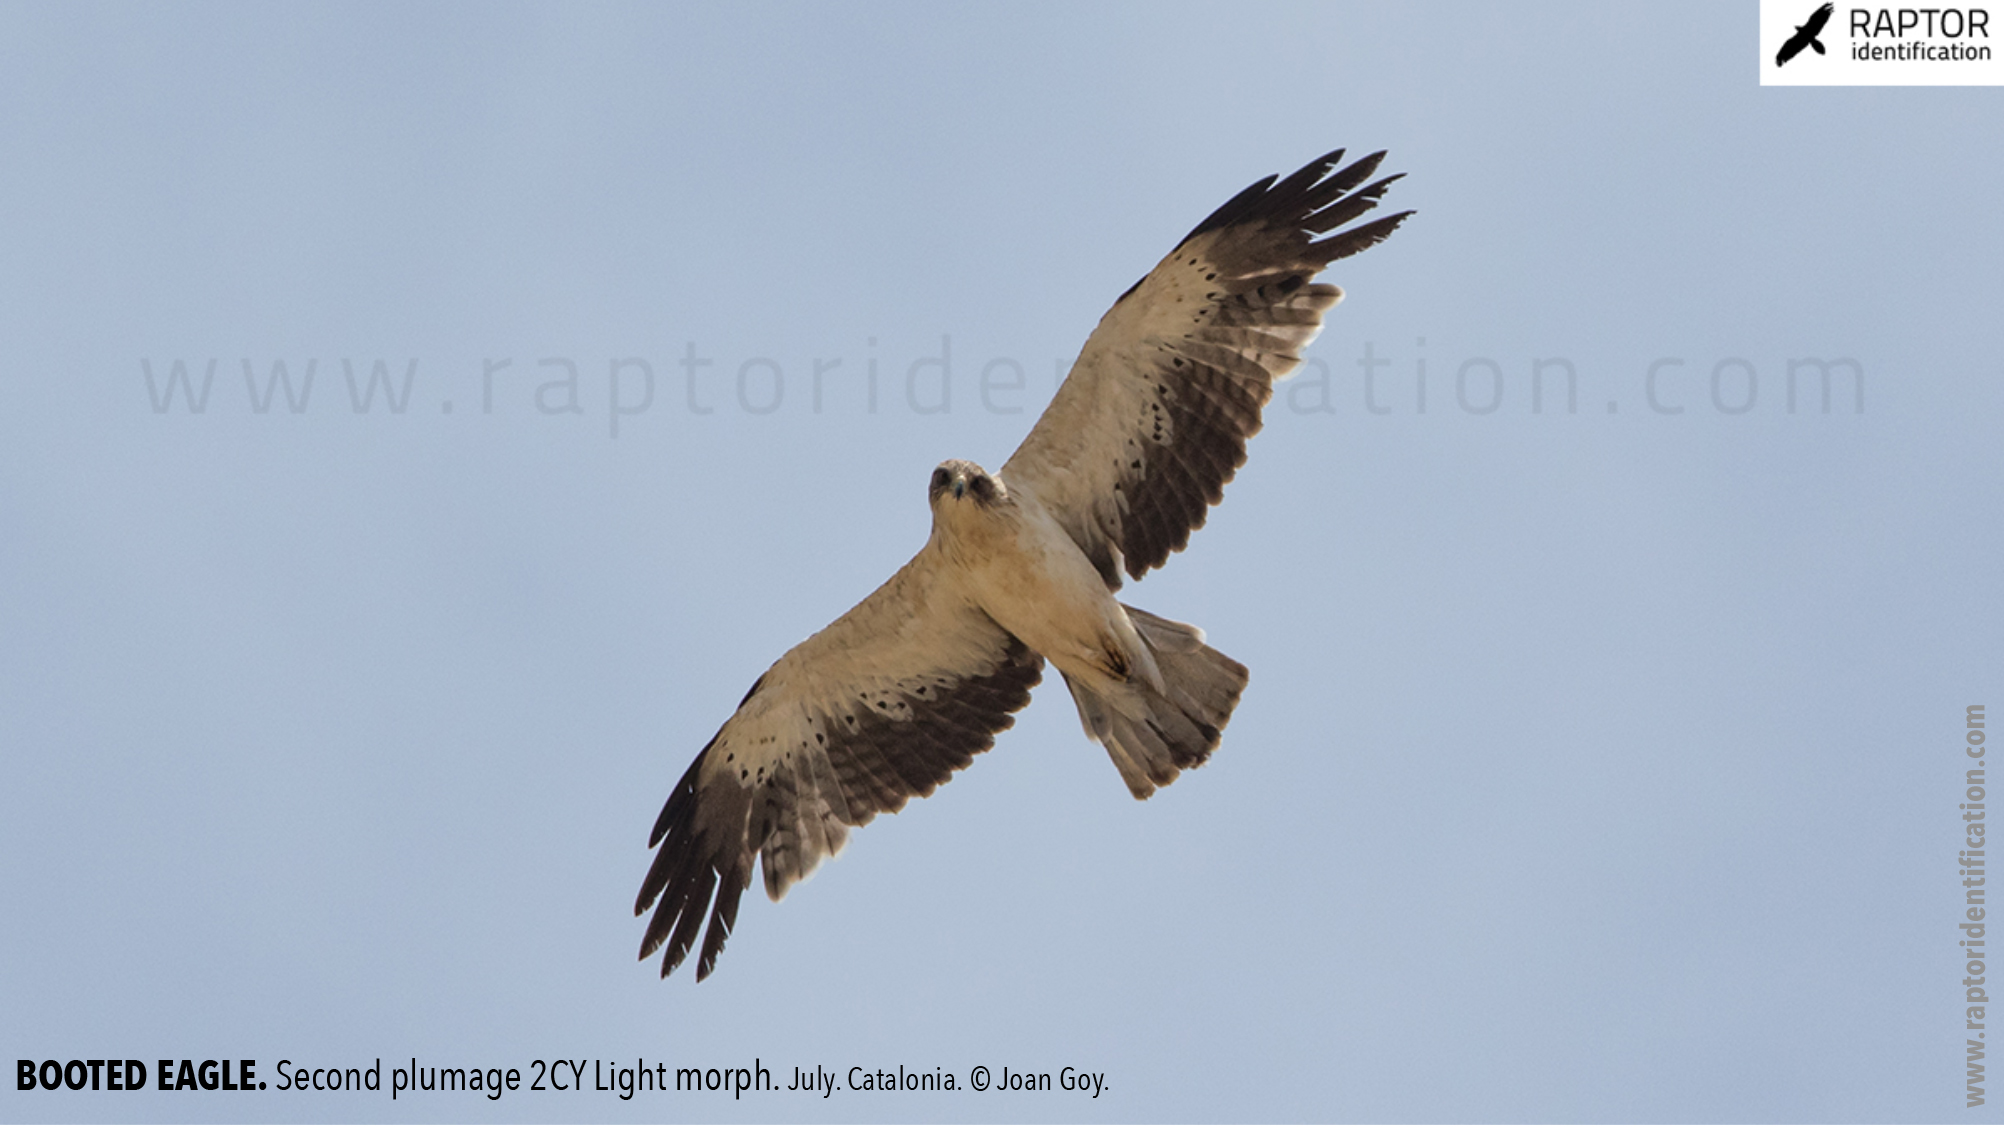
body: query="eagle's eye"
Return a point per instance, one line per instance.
(982, 486)
(939, 479)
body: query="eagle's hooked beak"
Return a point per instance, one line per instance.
(959, 485)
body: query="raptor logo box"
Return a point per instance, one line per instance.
(1803, 43)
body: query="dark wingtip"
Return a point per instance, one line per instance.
(1357, 239)
(1308, 175)
(1313, 196)
(1234, 209)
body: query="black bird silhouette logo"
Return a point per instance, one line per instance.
(1805, 36)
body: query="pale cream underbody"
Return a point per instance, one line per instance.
(1021, 568)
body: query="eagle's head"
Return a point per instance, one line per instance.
(961, 482)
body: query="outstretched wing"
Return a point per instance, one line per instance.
(1153, 419)
(1817, 19)
(884, 704)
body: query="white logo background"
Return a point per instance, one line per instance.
(1838, 66)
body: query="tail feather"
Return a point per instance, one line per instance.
(1153, 736)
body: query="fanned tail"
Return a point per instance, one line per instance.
(1153, 736)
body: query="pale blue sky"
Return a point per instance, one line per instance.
(1598, 763)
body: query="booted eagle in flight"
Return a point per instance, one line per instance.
(1021, 568)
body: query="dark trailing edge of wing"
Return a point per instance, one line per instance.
(708, 834)
(1212, 408)
(882, 761)
(1210, 390)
